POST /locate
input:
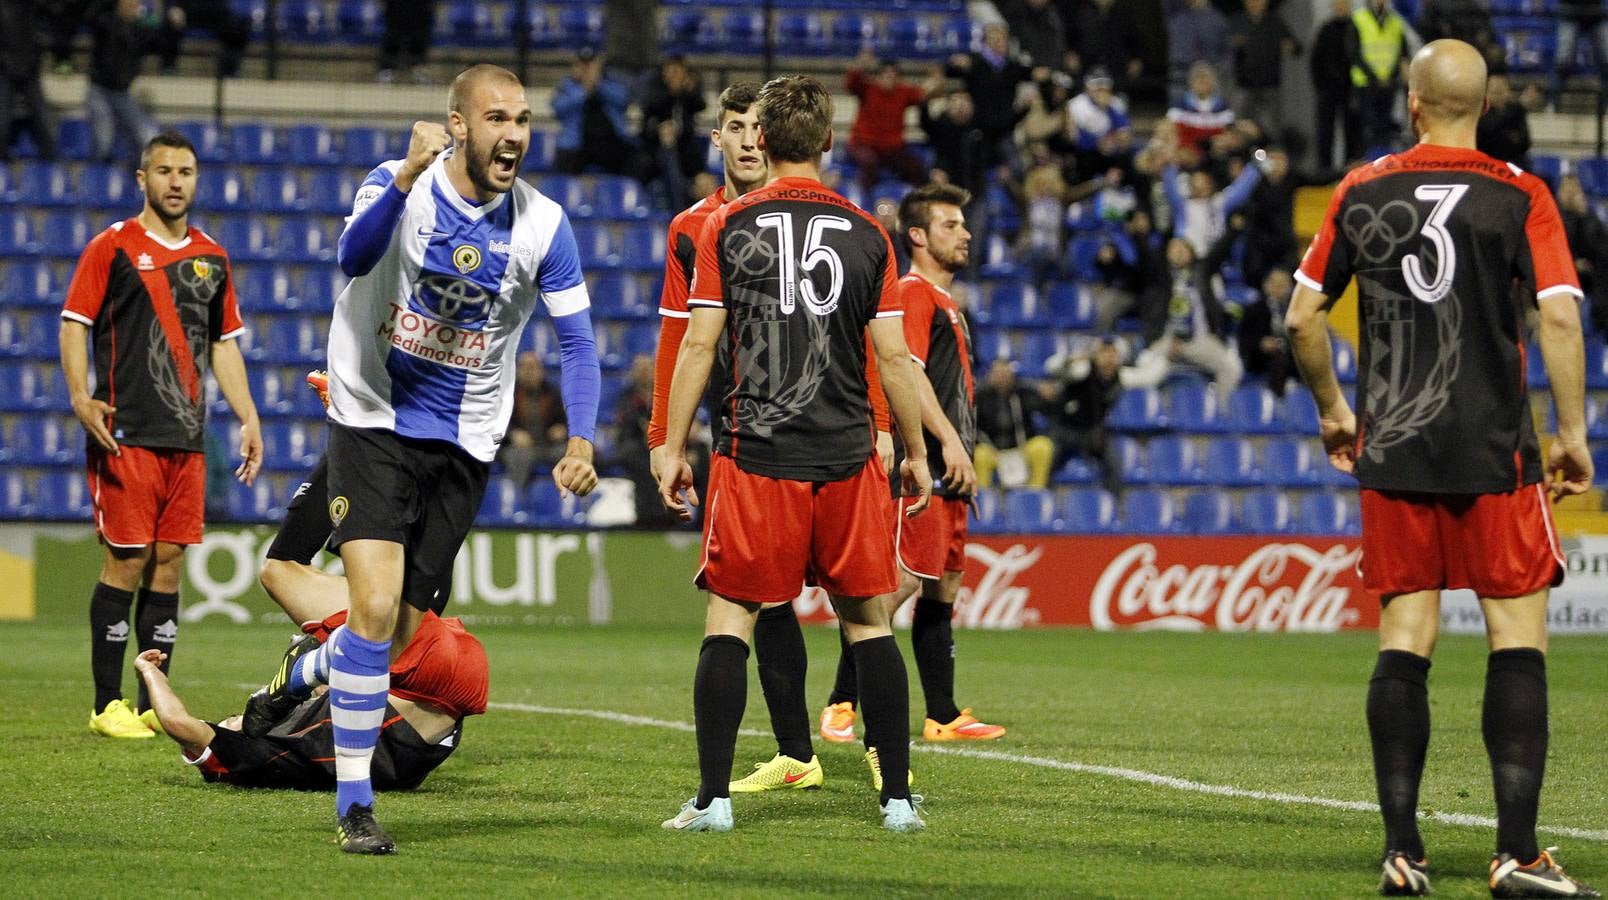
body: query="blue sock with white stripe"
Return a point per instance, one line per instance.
(312, 669)
(359, 679)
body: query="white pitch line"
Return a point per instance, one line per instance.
(1137, 775)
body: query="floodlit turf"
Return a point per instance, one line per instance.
(541, 802)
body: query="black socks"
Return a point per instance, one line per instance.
(933, 640)
(108, 637)
(847, 687)
(1398, 723)
(885, 705)
(783, 664)
(1515, 726)
(719, 694)
(156, 626)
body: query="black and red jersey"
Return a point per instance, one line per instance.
(939, 342)
(801, 272)
(1450, 248)
(154, 309)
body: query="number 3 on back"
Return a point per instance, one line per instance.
(1446, 198)
(815, 252)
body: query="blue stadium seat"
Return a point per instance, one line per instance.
(319, 287)
(543, 148)
(1535, 366)
(1174, 460)
(581, 26)
(289, 445)
(258, 502)
(363, 20)
(102, 186)
(312, 145)
(1252, 409)
(63, 497)
(1150, 512)
(1031, 509)
(503, 505)
(221, 188)
(640, 338)
(989, 516)
(32, 386)
(46, 440)
(1593, 174)
(1087, 511)
(247, 238)
(207, 139)
(642, 246)
(596, 245)
(1294, 462)
(619, 197)
(1231, 462)
(687, 31)
(1131, 459)
(1072, 306)
(549, 510)
(961, 34)
(1138, 410)
(16, 495)
(13, 331)
(1267, 512)
(45, 184)
(568, 191)
(620, 295)
(1599, 460)
(18, 237)
(1033, 351)
(73, 139)
(31, 282)
(1076, 470)
(305, 240)
(1193, 406)
(742, 31)
(1301, 412)
(331, 192)
(544, 33)
(1016, 304)
(913, 37)
(1085, 253)
(480, 24)
(307, 20)
(1345, 360)
(1547, 168)
(70, 231)
(852, 33)
(1596, 359)
(367, 146)
(1209, 512)
(278, 191)
(1328, 513)
(253, 143)
(802, 34)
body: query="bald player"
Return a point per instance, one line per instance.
(448, 252)
(1451, 249)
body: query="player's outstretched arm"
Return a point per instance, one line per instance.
(1569, 466)
(191, 733)
(73, 338)
(229, 367)
(687, 385)
(1308, 324)
(894, 368)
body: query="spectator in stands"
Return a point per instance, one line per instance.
(1190, 328)
(537, 431)
(1575, 16)
(992, 76)
(1504, 130)
(1331, 82)
(877, 138)
(960, 157)
(123, 35)
(671, 103)
(1103, 132)
(1040, 31)
(231, 30)
(19, 79)
(631, 37)
(1127, 262)
(62, 24)
(1588, 241)
(1199, 216)
(1196, 33)
(406, 41)
(1080, 400)
(1043, 198)
(1377, 49)
(1200, 112)
(1271, 212)
(1103, 36)
(1464, 20)
(1007, 443)
(1261, 44)
(590, 108)
(1264, 345)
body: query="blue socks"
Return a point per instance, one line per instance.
(359, 679)
(312, 669)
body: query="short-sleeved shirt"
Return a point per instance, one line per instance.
(1450, 248)
(154, 308)
(679, 262)
(801, 273)
(424, 343)
(939, 342)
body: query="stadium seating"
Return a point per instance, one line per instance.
(1192, 406)
(1086, 511)
(1329, 514)
(1032, 509)
(1209, 512)
(1150, 512)
(1174, 460)
(1267, 512)
(1231, 462)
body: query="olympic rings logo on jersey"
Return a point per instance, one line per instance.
(1376, 233)
(455, 300)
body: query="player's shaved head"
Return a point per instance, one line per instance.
(471, 79)
(1448, 79)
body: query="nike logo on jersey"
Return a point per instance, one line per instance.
(428, 233)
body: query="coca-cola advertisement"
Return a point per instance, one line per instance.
(1258, 584)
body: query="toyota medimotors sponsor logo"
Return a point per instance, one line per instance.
(439, 342)
(1278, 587)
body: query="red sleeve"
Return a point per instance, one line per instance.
(707, 289)
(87, 292)
(914, 96)
(1551, 263)
(673, 294)
(671, 330)
(873, 384)
(888, 303)
(1326, 268)
(917, 320)
(226, 322)
(854, 82)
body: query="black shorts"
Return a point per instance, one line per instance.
(299, 753)
(423, 495)
(306, 530)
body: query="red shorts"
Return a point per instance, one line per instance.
(144, 495)
(442, 665)
(1497, 545)
(934, 542)
(764, 537)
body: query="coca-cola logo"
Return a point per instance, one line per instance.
(1278, 587)
(997, 602)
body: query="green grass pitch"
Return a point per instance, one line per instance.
(555, 803)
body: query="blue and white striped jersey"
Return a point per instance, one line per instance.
(423, 343)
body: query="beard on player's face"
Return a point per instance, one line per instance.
(493, 163)
(169, 203)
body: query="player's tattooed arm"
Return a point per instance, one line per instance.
(1308, 324)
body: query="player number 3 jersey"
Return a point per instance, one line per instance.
(1450, 248)
(424, 343)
